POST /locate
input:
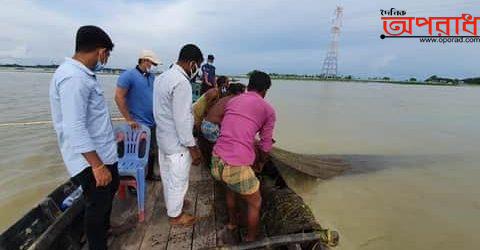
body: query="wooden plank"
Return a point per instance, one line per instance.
(133, 239)
(181, 237)
(204, 231)
(196, 173)
(205, 172)
(157, 233)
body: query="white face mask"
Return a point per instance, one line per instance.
(151, 69)
(193, 74)
(224, 90)
(99, 66)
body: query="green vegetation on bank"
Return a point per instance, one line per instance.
(433, 80)
(48, 68)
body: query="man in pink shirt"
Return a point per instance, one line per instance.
(234, 152)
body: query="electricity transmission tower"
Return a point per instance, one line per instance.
(330, 64)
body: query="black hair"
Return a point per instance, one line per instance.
(90, 38)
(221, 80)
(259, 81)
(190, 52)
(236, 88)
(210, 57)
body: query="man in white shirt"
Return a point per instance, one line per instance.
(177, 149)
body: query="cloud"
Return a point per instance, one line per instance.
(278, 36)
(19, 52)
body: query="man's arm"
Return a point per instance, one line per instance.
(74, 94)
(266, 133)
(265, 144)
(205, 75)
(121, 91)
(214, 83)
(183, 118)
(121, 101)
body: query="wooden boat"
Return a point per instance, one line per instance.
(47, 227)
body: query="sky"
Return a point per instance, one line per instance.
(277, 36)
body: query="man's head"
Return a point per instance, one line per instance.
(222, 84)
(210, 58)
(93, 45)
(190, 58)
(259, 82)
(147, 60)
(236, 89)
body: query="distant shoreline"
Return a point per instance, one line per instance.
(318, 79)
(41, 70)
(289, 78)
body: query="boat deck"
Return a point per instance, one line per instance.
(206, 202)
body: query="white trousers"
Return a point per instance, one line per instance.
(175, 173)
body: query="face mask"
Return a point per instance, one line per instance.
(150, 70)
(224, 90)
(99, 65)
(193, 74)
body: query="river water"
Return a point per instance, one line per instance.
(414, 180)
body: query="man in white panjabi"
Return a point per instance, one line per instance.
(177, 149)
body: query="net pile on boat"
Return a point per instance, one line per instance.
(285, 212)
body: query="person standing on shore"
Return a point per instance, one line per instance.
(177, 149)
(208, 75)
(235, 154)
(84, 129)
(134, 98)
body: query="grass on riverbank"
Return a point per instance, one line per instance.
(320, 79)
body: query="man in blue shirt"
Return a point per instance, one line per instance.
(84, 129)
(208, 75)
(134, 98)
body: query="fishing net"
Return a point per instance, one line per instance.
(284, 212)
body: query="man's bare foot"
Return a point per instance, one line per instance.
(184, 219)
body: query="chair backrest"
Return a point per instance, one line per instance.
(132, 139)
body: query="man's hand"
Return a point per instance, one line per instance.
(102, 175)
(260, 160)
(133, 124)
(196, 155)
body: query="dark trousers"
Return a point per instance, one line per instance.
(98, 205)
(153, 152)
